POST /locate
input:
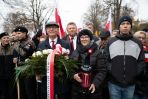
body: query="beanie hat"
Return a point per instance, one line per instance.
(85, 32)
(125, 18)
(21, 29)
(104, 34)
(3, 34)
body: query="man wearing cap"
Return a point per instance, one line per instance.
(8, 59)
(61, 90)
(125, 61)
(104, 36)
(25, 47)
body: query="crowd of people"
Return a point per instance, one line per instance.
(112, 66)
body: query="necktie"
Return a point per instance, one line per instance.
(72, 44)
(53, 46)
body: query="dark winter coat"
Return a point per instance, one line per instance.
(7, 66)
(96, 60)
(59, 88)
(125, 59)
(142, 81)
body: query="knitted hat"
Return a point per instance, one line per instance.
(3, 34)
(21, 29)
(125, 18)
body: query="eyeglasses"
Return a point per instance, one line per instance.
(84, 37)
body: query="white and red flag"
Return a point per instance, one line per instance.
(58, 20)
(108, 25)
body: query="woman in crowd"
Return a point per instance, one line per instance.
(141, 91)
(88, 78)
(8, 59)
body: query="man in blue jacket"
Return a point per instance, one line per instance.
(125, 61)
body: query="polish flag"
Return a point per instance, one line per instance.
(58, 20)
(108, 25)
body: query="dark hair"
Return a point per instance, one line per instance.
(145, 29)
(104, 34)
(85, 32)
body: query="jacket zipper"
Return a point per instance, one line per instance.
(124, 64)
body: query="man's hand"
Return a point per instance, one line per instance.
(14, 60)
(77, 78)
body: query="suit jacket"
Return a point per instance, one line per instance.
(59, 88)
(66, 38)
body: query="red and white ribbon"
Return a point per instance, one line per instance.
(146, 57)
(50, 75)
(50, 70)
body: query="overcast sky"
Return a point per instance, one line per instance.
(73, 10)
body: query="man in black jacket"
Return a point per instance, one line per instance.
(125, 61)
(25, 47)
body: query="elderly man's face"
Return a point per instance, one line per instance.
(52, 31)
(14, 36)
(72, 29)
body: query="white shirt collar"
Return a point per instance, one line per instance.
(55, 40)
(75, 37)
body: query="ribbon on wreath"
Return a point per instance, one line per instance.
(50, 71)
(50, 75)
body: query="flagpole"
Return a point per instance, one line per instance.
(18, 86)
(58, 20)
(108, 25)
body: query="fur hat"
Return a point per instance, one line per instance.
(125, 18)
(21, 29)
(3, 34)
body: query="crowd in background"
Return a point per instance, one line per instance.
(115, 63)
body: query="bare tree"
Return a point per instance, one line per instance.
(116, 8)
(127, 11)
(17, 19)
(35, 10)
(93, 14)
